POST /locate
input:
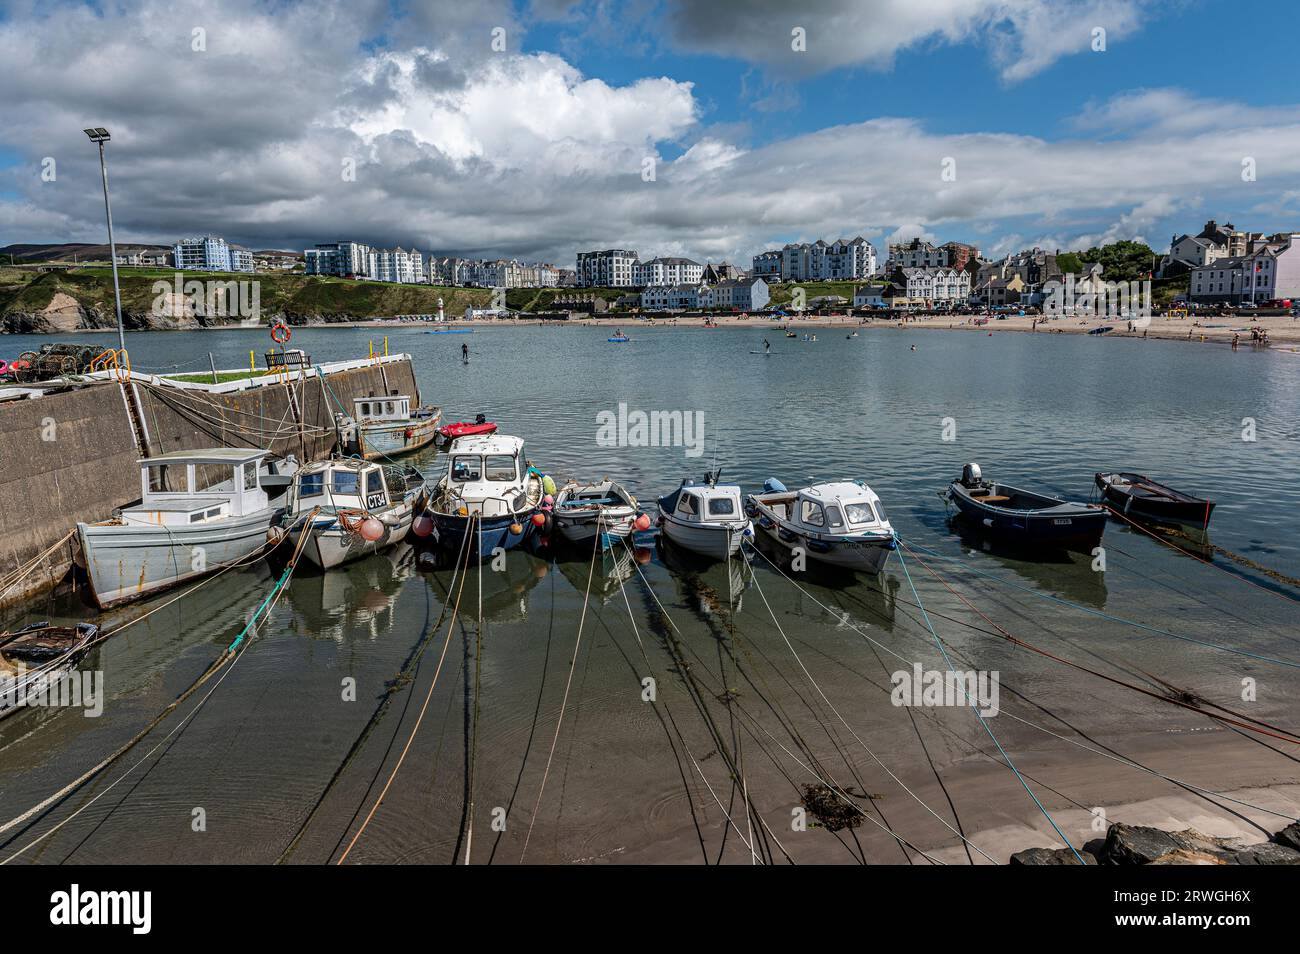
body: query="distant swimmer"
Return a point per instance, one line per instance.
(913, 347)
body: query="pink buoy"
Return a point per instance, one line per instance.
(548, 500)
(422, 526)
(642, 521)
(371, 529)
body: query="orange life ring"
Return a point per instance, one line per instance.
(280, 333)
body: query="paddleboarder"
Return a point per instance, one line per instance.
(767, 347)
(464, 352)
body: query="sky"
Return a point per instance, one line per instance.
(704, 128)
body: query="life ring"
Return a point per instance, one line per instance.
(280, 333)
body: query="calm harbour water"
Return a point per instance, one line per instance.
(275, 747)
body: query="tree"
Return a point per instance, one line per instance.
(1120, 261)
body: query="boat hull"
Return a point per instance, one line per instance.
(1069, 526)
(860, 555)
(717, 541)
(126, 562)
(332, 545)
(1190, 510)
(584, 530)
(485, 536)
(394, 438)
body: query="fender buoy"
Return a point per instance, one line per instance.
(280, 333)
(4, 366)
(408, 433)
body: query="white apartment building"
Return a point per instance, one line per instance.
(210, 253)
(1270, 271)
(667, 271)
(671, 297)
(840, 260)
(342, 259)
(743, 294)
(937, 284)
(610, 268)
(917, 254)
(241, 260)
(397, 265)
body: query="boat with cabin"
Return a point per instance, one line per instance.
(352, 508)
(387, 426)
(1025, 517)
(1137, 495)
(604, 509)
(199, 511)
(840, 523)
(705, 518)
(489, 492)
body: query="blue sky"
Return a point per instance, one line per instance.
(538, 150)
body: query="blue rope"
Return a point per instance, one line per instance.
(1104, 615)
(279, 584)
(979, 715)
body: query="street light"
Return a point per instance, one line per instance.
(100, 135)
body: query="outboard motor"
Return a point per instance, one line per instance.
(971, 476)
(480, 419)
(773, 486)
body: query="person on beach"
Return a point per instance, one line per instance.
(1234, 341)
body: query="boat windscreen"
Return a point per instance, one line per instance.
(721, 507)
(466, 467)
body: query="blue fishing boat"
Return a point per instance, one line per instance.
(489, 493)
(1024, 517)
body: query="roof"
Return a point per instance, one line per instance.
(208, 455)
(487, 444)
(839, 490)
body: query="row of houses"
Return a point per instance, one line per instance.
(358, 260)
(623, 268)
(739, 294)
(1225, 265)
(839, 260)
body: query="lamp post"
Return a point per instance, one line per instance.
(100, 135)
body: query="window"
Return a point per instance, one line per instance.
(311, 485)
(722, 507)
(833, 517)
(346, 483)
(859, 513)
(365, 408)
(374, 482)
(687, 504)
(162, 478)
(250, 475)
(466, 467)
(810, 513)
(499, 467)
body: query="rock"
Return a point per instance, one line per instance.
(1267, 853)
(1050, 856)
(1187, 856)
(1095, 847)
(1288, 836)
(1136, 845)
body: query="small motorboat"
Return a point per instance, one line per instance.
(619, 338)
(840, 523)
(582, 511)
(853, 335)
(387, 426)
(1104, 329)
(36, 657)
(480, 427)
(1026, 517)
(352, 508)
(490, 494)
(1137, 495)
(199, 511)
(705, 518)
(791, 334)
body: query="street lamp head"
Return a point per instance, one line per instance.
(98, 134)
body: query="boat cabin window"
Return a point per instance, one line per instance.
(686, 504)
(250, 475)
(311, 485)
(346, 483)
(466, 467)
(722, 507)
(214, 477)
(859, 512)
(833, 516)
(811, 514)
(167, 478)
(376, 495)
(499, 467)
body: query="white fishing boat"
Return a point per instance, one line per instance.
(199, 511)
(705, 518)
(387, 426)
(352, 508)
(490, 492)
(604, 509)
(841, 523)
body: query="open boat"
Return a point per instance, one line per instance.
(1137, 495)
(489, 493)
(199, 511)
(840, 523)
(705, 518)
(583, 511)
(618, 339)
(387, 426)
(479, 427)
(352, 508)
(34, 659)
(1026, 517)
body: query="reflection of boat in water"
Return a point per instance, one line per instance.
(613, 571)
(1066, 573)
(356, 599)
(506, 581)
(709, 585)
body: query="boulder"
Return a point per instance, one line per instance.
(1050, 856)
(1136, 845)
(1188, 856)
(1288, 836)
(1267, 853)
